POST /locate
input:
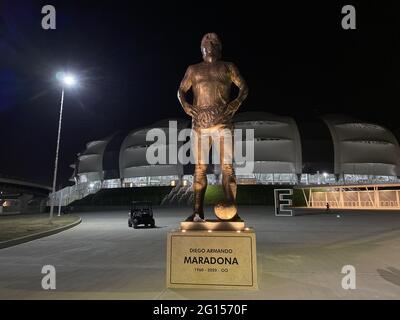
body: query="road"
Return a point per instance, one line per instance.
(299, 257)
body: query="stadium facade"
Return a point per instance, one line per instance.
(363, 151)
(353, 152)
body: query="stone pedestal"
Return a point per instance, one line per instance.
(212, 255)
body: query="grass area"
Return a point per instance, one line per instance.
(246, 195)
(16, 226)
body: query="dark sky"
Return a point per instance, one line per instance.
(131, 56)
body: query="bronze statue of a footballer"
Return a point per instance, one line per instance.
(212, 112)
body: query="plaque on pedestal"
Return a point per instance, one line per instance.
(201, 257)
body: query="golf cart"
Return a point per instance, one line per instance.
(141, 213)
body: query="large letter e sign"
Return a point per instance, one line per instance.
(283, 201)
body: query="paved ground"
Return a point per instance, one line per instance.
(298, 258)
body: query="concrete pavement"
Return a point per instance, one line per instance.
(298, 258)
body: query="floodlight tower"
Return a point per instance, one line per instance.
(67, 80)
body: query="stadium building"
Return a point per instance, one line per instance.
(337, 150)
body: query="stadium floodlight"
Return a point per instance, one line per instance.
(67, 80)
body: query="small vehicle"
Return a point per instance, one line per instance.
(141, 213)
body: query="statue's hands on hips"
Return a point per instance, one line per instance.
(191, 110)
(232, 108)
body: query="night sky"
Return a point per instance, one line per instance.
(295, 57)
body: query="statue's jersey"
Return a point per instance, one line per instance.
(211, 85)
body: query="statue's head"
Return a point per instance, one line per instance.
(211, 47)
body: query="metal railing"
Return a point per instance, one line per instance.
(70, 194)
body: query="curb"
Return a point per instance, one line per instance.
(14, 242)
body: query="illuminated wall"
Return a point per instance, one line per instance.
(277, 145)
(132, 158)
(358, 198)
(90, 162)
(363, 148)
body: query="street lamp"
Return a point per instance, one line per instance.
(67, 80)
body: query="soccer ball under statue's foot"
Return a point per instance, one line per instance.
(226, 211)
